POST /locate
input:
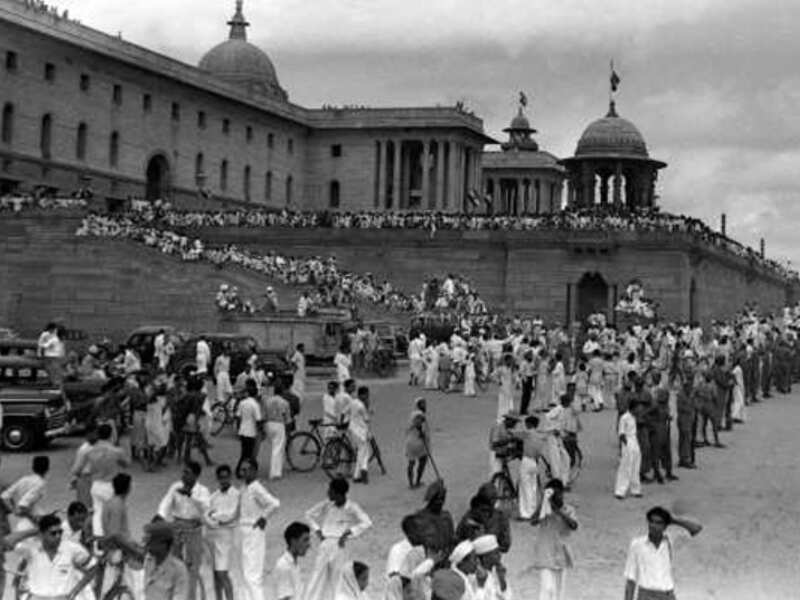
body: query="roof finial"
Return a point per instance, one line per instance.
(612, 109)
(238, 24)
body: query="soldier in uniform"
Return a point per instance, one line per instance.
(705, 397)
(687, 415)
(723, 381)
(661, 439)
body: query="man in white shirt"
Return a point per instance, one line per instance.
(250, 419)
(185, 505)
(45, 338)
(299, 368)
(256, 505)
(53, 562)
(648, 570)
(288, 582)
(202, 356)
(631, 459)
(221, 520)
(334, 521)
(359, 433)
(23, 497)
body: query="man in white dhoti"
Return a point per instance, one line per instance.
(630, 461)
(334, 521)
(256, 505)
(533, 444)
(220, 523)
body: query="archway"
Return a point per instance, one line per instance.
(158, 178)
(592, 296)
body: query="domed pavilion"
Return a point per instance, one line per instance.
(611, 165)
(241, 63)
(522, 179)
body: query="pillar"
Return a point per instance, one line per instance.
(452, 187)
(618, 185)
(396, 175)
(520, 191)
(426, 165)
(604, 189)
(383, 156)
(438, 201)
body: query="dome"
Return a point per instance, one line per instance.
(241, 63)
(612, 135)
(520, 122)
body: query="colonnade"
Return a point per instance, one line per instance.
(425, 174)
(514, 195)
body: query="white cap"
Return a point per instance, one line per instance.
(485, 544)
(462, 551)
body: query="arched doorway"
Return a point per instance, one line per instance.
(592, 296)
(158, 178)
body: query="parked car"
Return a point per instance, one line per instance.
(143, 338)
(242, 348)
(35, 410)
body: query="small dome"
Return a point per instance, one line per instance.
(241, 63)
(612, 135)
(520, 122)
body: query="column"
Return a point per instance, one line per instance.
(396, 175)
(405, 180)
(426, 165)
(520, 191)
(438, 201)
(452, 187)
(383, 155)
(603, 189)
(617, 185)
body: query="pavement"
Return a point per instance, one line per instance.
(745, 496)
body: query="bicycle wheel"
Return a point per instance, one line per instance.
(302, 451)
(219, 416)
(506, 494)
(338, 458)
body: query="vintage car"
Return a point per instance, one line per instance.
(280, 332)
(242, 347)
(143, 338)
(35, 410)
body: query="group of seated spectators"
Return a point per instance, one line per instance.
(332, 286)
(18, 202)
(596, 219)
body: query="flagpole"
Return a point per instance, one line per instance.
(610, 87)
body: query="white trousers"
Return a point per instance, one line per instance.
(552, 583)
(528, 487)
(254, 548)
(101, 492)
(327, 571)
(277, 441)
(362, 455)
(596, 394)
(628, 470)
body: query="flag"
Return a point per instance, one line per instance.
(614, 79)
(523, 99)
(488, 199)
(473, 198)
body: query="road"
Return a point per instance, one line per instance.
(745, 495)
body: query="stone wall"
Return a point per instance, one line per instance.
(109, 287)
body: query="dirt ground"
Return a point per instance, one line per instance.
(745, 496)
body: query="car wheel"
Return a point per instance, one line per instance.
(18, 436)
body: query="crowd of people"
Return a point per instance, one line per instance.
(333, 286)
(647, 221)
(18, 202)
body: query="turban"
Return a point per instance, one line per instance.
(462, 551)
(485, 544)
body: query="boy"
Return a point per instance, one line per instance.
(288, 582)
(220, 520)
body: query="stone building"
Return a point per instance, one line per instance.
(80, 107)
(521, 179)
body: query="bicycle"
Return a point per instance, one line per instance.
(504, 485)
(223, 413)
(306, 449)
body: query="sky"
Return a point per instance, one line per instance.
(711, 84)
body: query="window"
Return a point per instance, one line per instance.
(49, 72)
(201, 119)
(290, 146)
(175, 111)
(223, 175)
(226, 126)
(80, 144)
(199, 165)
(268, 186)
(249, 133)
(84, 82)
(11, 60)
(336, 150)
(270, 140)
(289, 182)
(45, 133)
(246, 183)
(147, 103)
(113, 150)
(7, 133)
(117, 94)
(333, 199)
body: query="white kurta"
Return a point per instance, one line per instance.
(737, 408)
(631, 460)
